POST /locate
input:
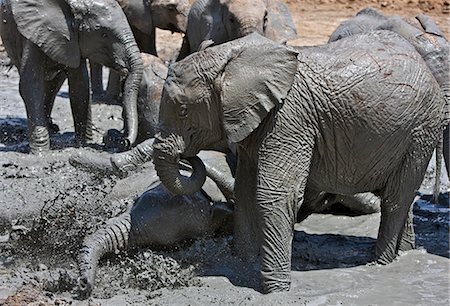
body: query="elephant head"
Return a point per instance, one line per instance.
(163, 14)
(216, 96)
(67, 31)
(219, 21)
(270, 18)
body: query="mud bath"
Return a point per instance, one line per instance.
(47, 207)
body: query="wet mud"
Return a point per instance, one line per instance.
(47, 207)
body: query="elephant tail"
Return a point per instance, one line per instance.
(111, 238)
(437, 181)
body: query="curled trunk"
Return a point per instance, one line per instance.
(113, 237)
(166, 156)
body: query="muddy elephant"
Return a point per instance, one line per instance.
(424, 35)
(159, 218)
(50, 40)
(219, 21)
(144, 17)
(357, 115)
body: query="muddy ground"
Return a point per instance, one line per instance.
(47, 207)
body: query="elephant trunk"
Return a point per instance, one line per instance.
(166, 157)
(113, 237)
(131, 88)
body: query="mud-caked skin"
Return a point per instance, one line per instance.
(144, 17)
(218, 21)
(423, 33)
(358, 115)
(158, 218)
(49, 40)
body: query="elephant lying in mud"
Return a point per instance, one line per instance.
(358, 115)
(144, 17)
(219, 21)
(425, 36)
(160, 219)
(48, 41)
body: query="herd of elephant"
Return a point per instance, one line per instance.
(353, 121)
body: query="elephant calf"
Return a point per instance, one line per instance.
(160, 219)
(362, 114)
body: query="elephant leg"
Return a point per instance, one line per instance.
(114, 89)
(96, 81)
(145, 42)
(79, 101)
(31, 87)
(246, 230)
(51, 88)
(281, 184)
(396, 231)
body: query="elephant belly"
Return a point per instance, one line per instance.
(355, 160)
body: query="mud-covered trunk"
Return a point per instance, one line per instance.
(131, 88)
(167, 154)
(113, 237)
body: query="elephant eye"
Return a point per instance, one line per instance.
(104, 35)
(231, 19)
(183, 112)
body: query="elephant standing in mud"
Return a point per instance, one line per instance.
(219, 21)
(357, 115)
(424, 35)
(50, 40)
(159, 218)
(144, 17)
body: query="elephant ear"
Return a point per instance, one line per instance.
(139, 15)
(279, 25)
(254, 82)
(49, 25)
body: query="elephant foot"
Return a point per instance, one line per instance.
(385, 258)
(114, 139)
(53, 128)
(39, 140)
(98, 96)
(86, 281)
(276, 281)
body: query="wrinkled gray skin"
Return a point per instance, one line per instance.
(357, 115)
(423, 34)
(149, 97)
(219, 21)
(50, 40)
(159, 218)
(144, 17)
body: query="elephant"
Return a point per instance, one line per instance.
(361, 114)
(219, 21)
(50, 40)
(149, 95)
(159, 218)
(428, 40)
(144, 17)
